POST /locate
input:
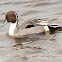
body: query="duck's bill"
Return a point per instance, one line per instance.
(5, 22)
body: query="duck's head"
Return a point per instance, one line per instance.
(10, 16)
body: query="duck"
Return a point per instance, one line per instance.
(27, 28)
(32, 26)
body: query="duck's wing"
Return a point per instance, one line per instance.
(27, 31)
(31, 22)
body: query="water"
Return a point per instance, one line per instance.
(42, 48)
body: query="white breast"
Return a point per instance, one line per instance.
(12, 29)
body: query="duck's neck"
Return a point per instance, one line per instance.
(13, 28)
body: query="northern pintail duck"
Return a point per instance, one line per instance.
(28, 27)
(25, 29)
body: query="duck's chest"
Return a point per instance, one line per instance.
(12, 29)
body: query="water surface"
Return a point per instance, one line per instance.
(42, 48)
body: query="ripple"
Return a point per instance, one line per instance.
(29, 12)
(43, 4)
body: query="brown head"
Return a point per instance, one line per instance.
(11, 16)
